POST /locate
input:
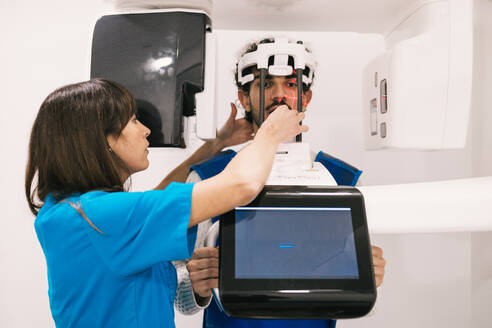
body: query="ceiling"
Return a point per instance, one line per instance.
(366, 16)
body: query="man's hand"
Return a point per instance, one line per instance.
(379, 264)
(235, 132)
(204, 270)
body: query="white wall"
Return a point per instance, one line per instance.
(482, 90)
(481, 135)
(427, 282)
(481, 280)
(46, 45)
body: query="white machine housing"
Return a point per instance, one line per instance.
(427, 68)
(206, 112)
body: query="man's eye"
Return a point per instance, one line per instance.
(292, 84)
(267, 84)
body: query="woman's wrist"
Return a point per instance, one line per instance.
(267, 131)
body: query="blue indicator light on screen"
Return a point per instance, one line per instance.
(286, 246)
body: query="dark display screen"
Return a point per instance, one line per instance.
(295, 243)
(159, 58)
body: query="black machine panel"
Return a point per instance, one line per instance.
(159, 57)
(297, 252)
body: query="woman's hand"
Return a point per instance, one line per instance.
(235, 132)
(379, 263)
(204, 271)
(283, 124)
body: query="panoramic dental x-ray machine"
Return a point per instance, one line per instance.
(301, 249)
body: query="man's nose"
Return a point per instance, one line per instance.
(278, 100)
(278, 93)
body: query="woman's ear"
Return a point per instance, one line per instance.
(244, 100)
(111, 141)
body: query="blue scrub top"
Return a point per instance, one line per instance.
(121, 277)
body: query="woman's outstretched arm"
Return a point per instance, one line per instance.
(246, 174)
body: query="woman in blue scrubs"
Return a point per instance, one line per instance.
(108, 251)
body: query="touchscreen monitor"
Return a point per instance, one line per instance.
(297, 252)
(295, 243)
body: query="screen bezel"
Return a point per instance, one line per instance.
(335, 198)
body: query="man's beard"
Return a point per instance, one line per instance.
(256, 113)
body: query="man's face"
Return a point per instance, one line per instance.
(279, 90)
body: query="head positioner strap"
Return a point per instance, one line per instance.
(281, 49)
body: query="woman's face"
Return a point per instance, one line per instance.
(131, 145)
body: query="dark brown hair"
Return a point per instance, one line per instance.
(68, 148)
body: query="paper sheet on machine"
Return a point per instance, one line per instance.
(293, 166)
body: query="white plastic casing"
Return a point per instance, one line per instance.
(428, 67)
(206, 113)
(439, 206)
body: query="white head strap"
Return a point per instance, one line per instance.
(281, 49)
